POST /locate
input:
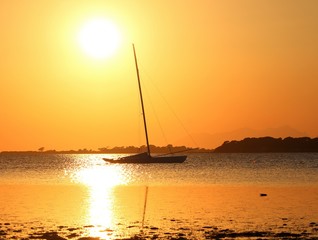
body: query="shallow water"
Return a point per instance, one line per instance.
(209, 192)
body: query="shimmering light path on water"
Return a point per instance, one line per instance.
(208, 191)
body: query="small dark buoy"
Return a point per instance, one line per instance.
(263, 194)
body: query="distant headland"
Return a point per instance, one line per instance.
(130, 149)
(269, 144)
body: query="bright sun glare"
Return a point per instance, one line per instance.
(99, 38)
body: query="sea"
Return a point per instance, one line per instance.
(207, 168)
(80, 195)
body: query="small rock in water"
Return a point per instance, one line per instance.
(73, 235)
(89, 238)
(72, 229)
(52, 236)
(132, 226)
(88, 226)
(184, 229)
(207, 227)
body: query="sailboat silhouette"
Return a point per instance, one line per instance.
(146, 156)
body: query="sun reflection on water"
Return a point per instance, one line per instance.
(102, 177)
(101, 182)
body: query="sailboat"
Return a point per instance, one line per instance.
(145, 157)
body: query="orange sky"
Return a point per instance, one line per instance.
(221, 65)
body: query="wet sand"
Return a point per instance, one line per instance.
(172, 212)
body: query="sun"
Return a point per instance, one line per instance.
(99, 38)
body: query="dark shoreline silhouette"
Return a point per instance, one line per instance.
(130, 149)
(247, 145)
(269, 145)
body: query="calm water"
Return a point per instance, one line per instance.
(273, 168)
(44, 191)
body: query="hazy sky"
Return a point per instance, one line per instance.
(221, 65)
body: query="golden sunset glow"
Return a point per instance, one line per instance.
(68, 79)
(99, 38)
(100, 182)
(101, 210)
(98, 178)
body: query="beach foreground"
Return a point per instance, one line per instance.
(171, 212)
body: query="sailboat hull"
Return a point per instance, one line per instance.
(144, 158)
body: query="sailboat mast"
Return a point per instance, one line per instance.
(141, 100)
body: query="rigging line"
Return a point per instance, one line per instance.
(155, 114)
(173, 112)
(139, 128)
(185, 150)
